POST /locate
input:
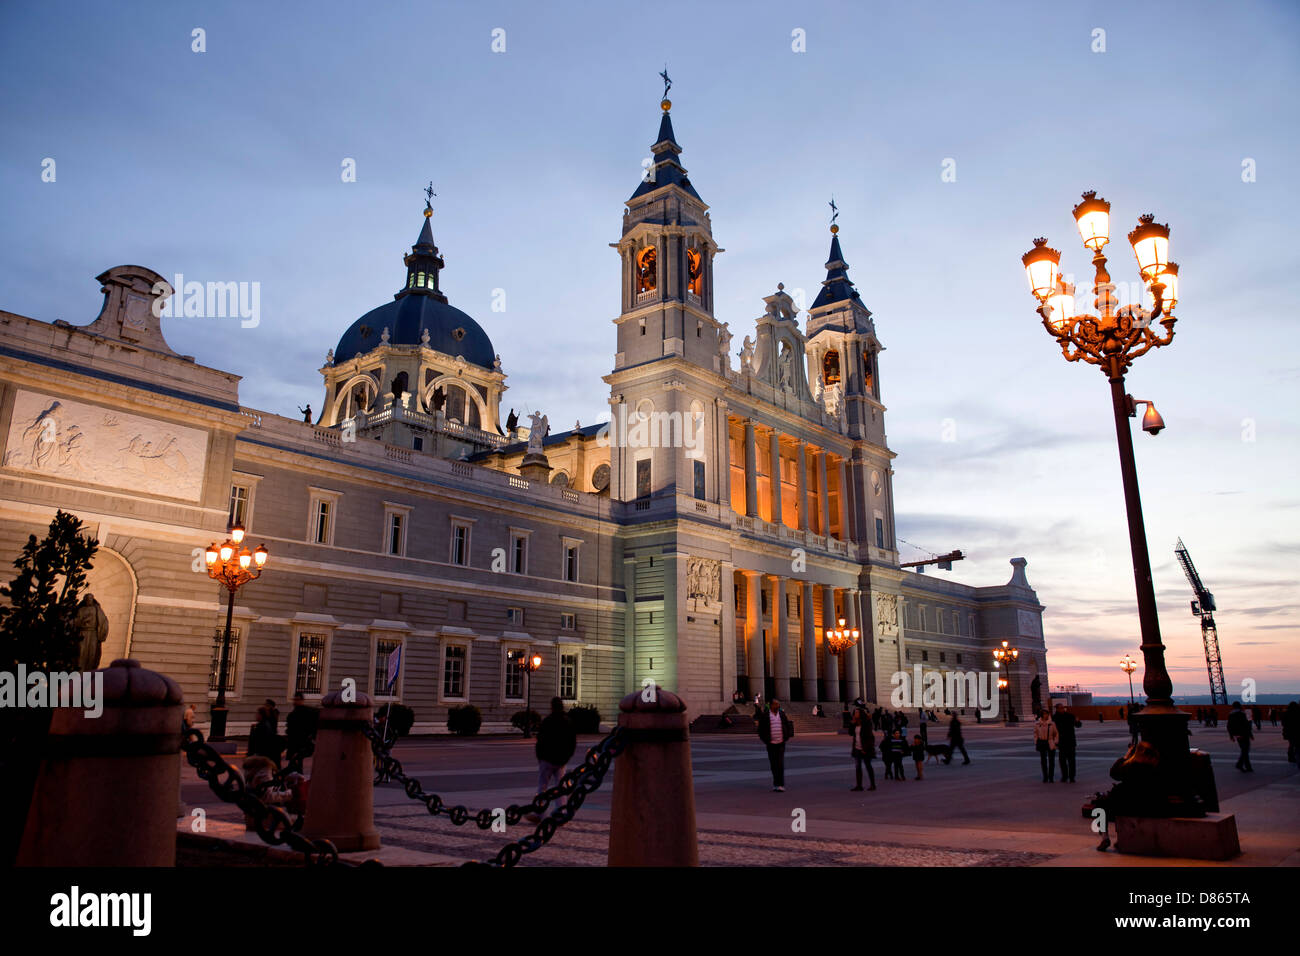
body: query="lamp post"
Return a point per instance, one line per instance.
(838, 640)
(1128, 666)
(1111, 340)
(528, 663)
(234, 566)
(1005, 655)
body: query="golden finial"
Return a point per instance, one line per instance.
(835, 230)
(666, 105)
(428, 200)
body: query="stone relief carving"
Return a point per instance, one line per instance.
(68, 439)
(703, 577)
(1029, 624)
(887, 614)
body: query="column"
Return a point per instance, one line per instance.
(775, 451)
(722, 457)
(801, 460)
(808, 624)
(754, 631)
(852, 669)
(832, 675)
(823, 499)
(727, 584)
(780, 618)
(629, 624)
(751, 470)
(844, 501)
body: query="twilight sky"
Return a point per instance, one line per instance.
(225, 165)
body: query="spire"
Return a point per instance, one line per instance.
(837, 287)
(423, 262)
(666, 169)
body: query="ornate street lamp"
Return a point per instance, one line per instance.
(840, 639)
(1111, 340)
(234, 566)
(1005, 655)
(528, 663)
(1128, 666)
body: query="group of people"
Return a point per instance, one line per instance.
(775, 730)
(1054, 738)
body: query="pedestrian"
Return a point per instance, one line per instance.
(1066, 723)
(955, 741)
(556, 741)
(1291, 729)
(775, 730)
(979, 716)
(1239, 730)
(189, 717)
(875, 719)
(886, 723)
(897, 751)
(272, 714)
(1259, 718)
(921, 725)
(1046, 740)
(263, 741)
(864, 747)
(300, 729)
(918, 756)
(887, 755)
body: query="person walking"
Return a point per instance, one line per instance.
(1239, 730)
(1066, 723)
(263, 741)
(864, 747)
(775, 730)
(1046, 740)
(1291, 729)
(898, 749)
(921, 718)
(955, 741)
(300, 729)
(556, 741)
(918, 756)
(188, 718)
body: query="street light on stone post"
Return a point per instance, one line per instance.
(838, 640)
(1005, 655)
(1111, 340)
(528, 663)
(234, 566)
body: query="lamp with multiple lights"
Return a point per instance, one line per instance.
(234, 566)
(1005, 654)
(528, 663)
(1111, 339)
(840, 639)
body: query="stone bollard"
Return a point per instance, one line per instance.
(108, 785)
(341, 802)
(652, 817)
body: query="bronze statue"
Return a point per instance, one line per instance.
(92, 624)
(306, 414)
(512, 422)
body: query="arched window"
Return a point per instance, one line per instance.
(561, 480)
(694, 271)
(831, 367)
(647, 272)
(868, 376)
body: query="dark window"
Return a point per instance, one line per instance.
(643, 478)
(419, 443)
(925, 655)
(699, 480)
(311, 663)
(571, 562)
(453, 671)
(383, 649)
(880, 532)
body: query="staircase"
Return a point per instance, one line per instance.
(743, 722)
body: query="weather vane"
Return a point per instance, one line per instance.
(428, 195)
(835, 211)
(668, 84)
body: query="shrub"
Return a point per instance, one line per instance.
(464, 720)
(397, 717)
(526, 720)
(585, 718)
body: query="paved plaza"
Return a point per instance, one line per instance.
(996, 811)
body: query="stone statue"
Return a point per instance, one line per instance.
(540, 429)
(383, 336)
(496, 363)
(819, 387)
(785, 369)
(746, 354)
(92, 624)
(306, 414)
(887, 613)
(1036, 692)
(424, 338)
(439, 398)
(512, 422)
(724, 342)
(329, 357)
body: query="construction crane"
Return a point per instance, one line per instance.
(1203, 607)
(944, 561)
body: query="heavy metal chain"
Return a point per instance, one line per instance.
(273, 824)
(574, 785)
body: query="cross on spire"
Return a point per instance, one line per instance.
(835, 211)
(668, 84)
(428, 195)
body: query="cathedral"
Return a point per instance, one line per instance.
(736, 507)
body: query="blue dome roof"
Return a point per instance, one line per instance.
(451, 331)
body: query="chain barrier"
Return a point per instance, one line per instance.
(273, 824)
(574, 785)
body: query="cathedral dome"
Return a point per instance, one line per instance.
(418, 308)
(451, 331)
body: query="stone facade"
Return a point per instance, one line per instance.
(704, 538)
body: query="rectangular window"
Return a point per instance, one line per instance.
(214, 674)
(519, 554)
(515, 616)
(453, 671)
(514, 687)
(239, 505)
(311, 664)
(384, 648)
(941, 657)
(419, 443)
(880, 532)
(925, 655)
(699, 479)
(570, 562)
(460, 544)
(569, 676)
(568, 622)
(395, 538)
(324, 518)
(643, 478)
(958, 658)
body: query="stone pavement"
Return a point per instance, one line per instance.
(994, 812)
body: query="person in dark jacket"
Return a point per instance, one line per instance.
(864, 747)
(1066, 723)
(956, 741)
(918, 756)
(1291, 729)
(775, 730)
(263, 741)
(300, 726)
(898, 749)
(556, 742)
(1239, 730)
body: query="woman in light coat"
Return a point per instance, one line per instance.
(1045, 739)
